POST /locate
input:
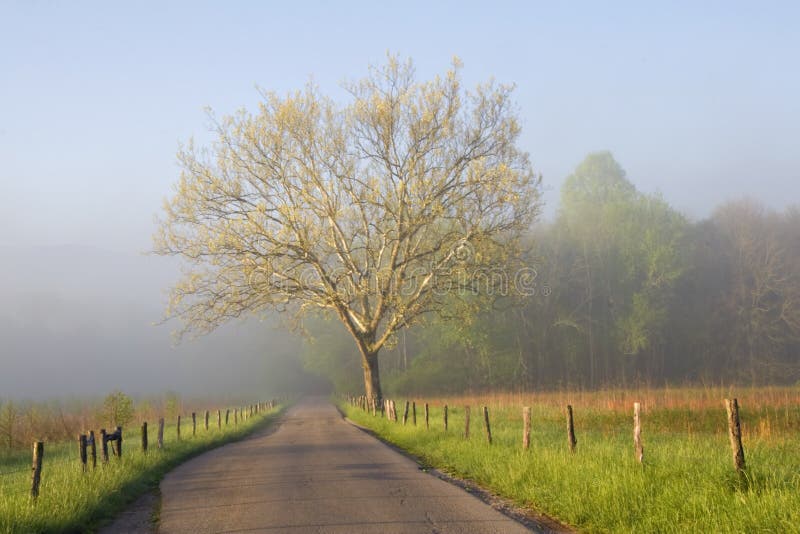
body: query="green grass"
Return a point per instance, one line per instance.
(687, 482)
(73, 501)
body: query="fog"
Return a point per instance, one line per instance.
(697, 102)
(81, 321)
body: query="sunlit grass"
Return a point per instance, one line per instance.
(73, 501)
(687, 482)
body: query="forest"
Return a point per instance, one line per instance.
(626, 290)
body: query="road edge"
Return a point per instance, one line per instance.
(528, 517)
(142, 514)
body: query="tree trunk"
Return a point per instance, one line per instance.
(372, 380)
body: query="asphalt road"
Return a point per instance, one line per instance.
(317, 473)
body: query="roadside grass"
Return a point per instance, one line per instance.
(73, 501)
(686, 484)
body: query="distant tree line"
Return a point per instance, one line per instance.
(625, 290)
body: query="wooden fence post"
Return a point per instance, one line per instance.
(571, 429)
(735, 433)
(118, 449)
(93, 449)
(38, 456)
(178, 428)
(82, 451)
(206, 420)
(394, 411)
(414, 413)
(466, 422)
(486, 421)
(426, 416)
(445, 418)
(227, 415)
(161, 433)
(144, 436)
(637, 433)
(104, 445)
(405, 414)
(219, 419)
(236, 417)
(194, 424)
(526, 427)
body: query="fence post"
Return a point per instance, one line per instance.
(486, 421)
(227, 415)
(38, 456)
(82, 451)
(445, 418)
(526, 427)
(144, 436)
(637, 433)
(571, 429)
(104, 445)
(405, 414)
(161, 433)
(735, 433)
(194, 424)
(119, 442)
(236, 417)
(427, 426)
(93, 449)
(206, 420)
(178, 428)
(467, 411)
(219, 419)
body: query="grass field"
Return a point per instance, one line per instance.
(686, 484)
(73, 501)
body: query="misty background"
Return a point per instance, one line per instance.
(697, 103)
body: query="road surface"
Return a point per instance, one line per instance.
(317, 473)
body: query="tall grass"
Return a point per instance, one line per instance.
(686, 484)
(73, 501)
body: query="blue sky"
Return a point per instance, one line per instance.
(697, 100)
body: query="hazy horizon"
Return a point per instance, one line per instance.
(696, 102)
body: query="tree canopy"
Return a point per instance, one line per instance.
(376, 211)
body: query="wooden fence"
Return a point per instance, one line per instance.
(388, 409)
(88, 441)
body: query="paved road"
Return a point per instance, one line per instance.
(317, 473)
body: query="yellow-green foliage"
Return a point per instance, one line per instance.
(687, 482)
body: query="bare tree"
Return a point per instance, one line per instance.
(376, 211)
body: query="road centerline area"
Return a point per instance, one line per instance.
(317, 473)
